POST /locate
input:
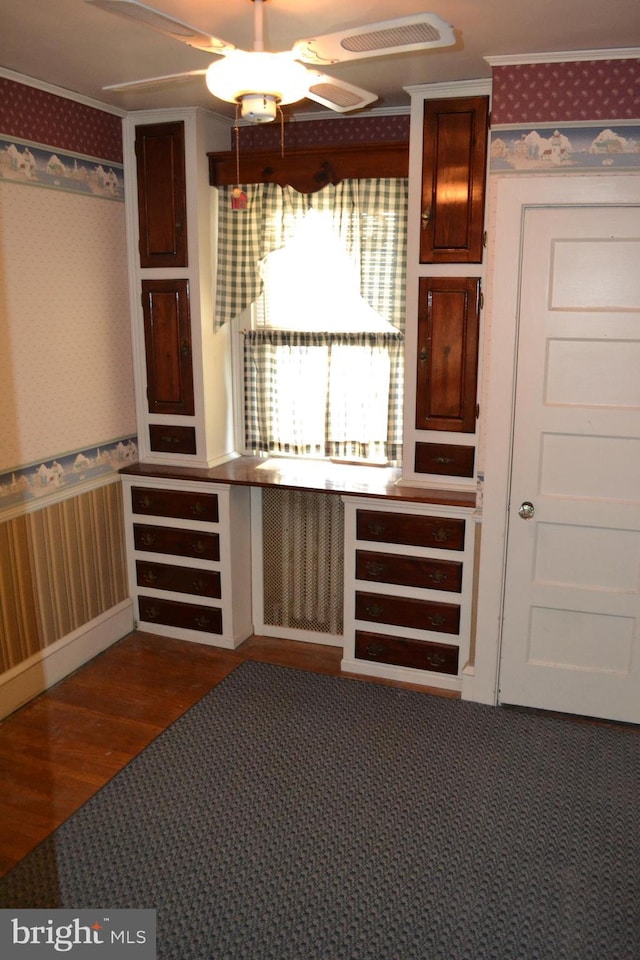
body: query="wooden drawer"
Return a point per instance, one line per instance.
(422, 654)
(410, 571)
(444, 533)
(187, 615)
(172, 439)
(445, 459)
(182, 504)
(182, 543)
(166, 576)
(408, 612)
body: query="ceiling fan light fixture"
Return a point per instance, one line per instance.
(257, 73)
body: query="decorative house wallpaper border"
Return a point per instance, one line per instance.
(48, 478)
(37, 165)
(566, 147)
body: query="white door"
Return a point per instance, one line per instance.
(571, 617)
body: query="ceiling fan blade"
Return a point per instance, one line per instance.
(336, 94)
(419, 31)
(155, 81)
(169, 26)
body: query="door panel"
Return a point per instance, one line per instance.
(571, 627)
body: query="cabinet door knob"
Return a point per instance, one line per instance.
(426, 216)
(423, 356)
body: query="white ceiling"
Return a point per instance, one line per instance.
(81, 48)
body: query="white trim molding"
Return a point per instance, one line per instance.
(48, 666)
(564, 56)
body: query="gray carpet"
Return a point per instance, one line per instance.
(292, 816)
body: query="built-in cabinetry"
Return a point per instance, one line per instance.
(409, 559)
(408, 590)
(181, 366)
(189, 557)
(446, 242)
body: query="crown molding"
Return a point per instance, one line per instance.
(565, 56)
(455, 88)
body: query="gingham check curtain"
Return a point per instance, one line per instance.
(369, 217)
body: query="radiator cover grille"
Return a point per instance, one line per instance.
(303, 560)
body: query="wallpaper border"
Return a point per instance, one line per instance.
(38, 165)
(45, 479)
(572, 147)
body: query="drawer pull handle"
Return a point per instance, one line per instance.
(375, 610)
(149, 576)
(436, 659)
(202, 621)
(148, 539)
(375, 569)
(199, 547)
(437, 620)
(443, 459)
(437, 576)
(442, 534)
(152, 613)
(169, 438)
(374, 649)
(377, 529)
(199, 585)
(145, 502)
(197, 509)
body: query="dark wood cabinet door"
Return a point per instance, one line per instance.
(448, 325)
(167, 335)
(162, 201)
(453, 180)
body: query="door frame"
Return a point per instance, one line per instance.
(511, 196)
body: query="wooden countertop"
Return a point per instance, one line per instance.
(313, 475)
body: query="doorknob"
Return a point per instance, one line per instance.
(526, 510)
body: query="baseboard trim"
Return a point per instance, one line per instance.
(35, 675)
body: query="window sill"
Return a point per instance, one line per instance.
(316, 475)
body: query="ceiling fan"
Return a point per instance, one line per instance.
(260, 81)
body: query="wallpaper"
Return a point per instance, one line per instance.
(566, 92)
(578, 117)
(66, 378)
(41, 117)
(305, 133)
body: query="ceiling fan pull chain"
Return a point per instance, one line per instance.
(280, 111)
(236, 134)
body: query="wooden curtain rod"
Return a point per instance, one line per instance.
(311, 168)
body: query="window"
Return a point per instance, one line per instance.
(325, 274)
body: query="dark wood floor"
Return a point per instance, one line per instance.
(59, 749)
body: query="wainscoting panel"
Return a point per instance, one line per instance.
(61, 567)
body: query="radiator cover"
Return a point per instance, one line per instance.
(303, 560)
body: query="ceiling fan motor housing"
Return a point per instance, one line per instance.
(258, 107)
